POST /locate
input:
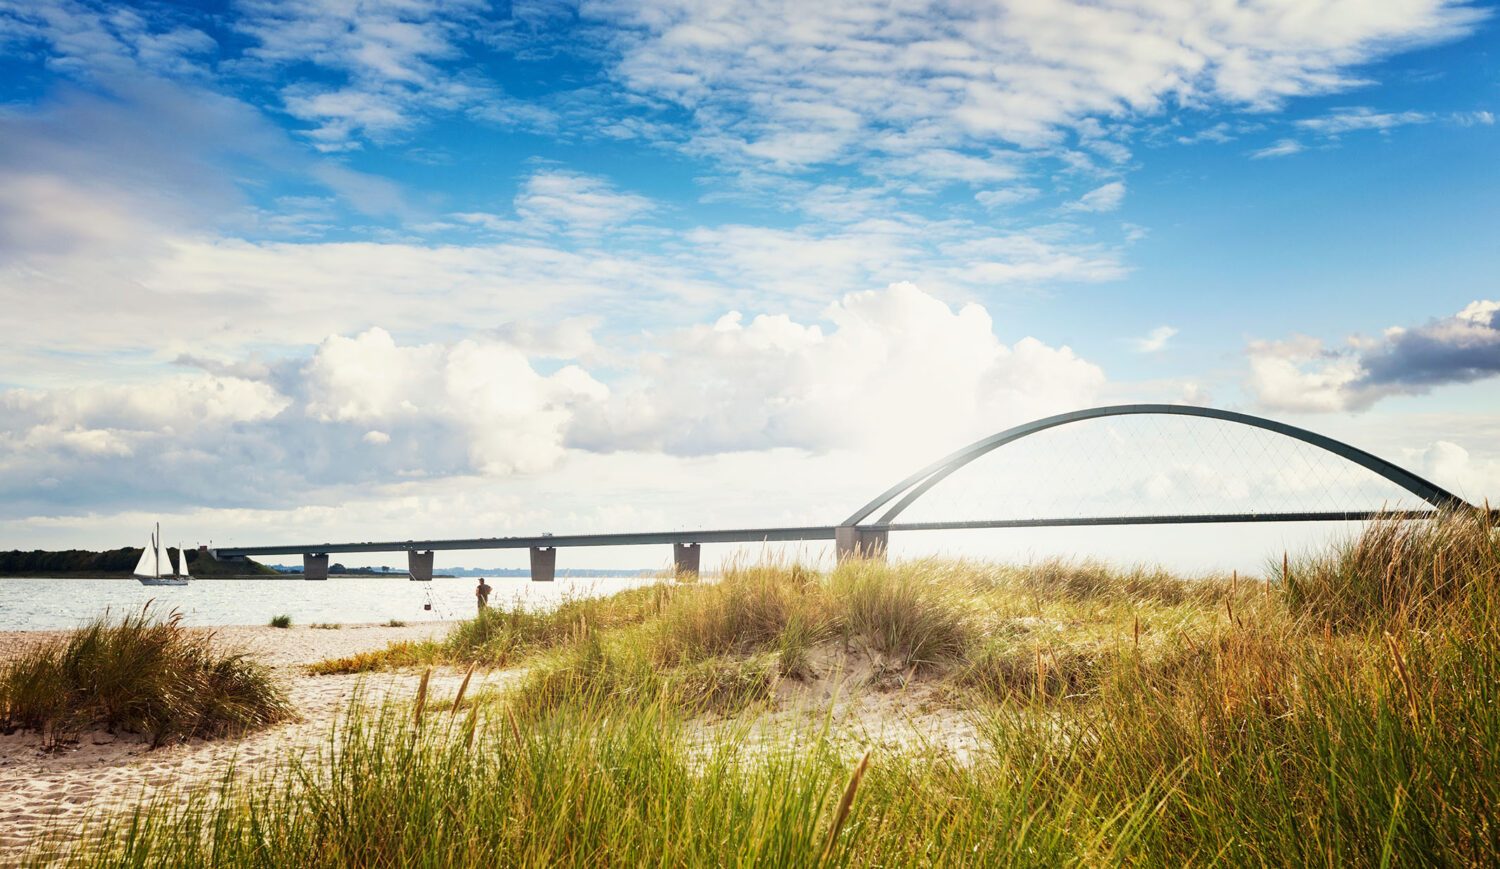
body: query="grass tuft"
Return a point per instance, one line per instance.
(281, 621)
(141, 674)
(1398, 570)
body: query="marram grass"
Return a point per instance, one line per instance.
(1125, 719)
(140, 673)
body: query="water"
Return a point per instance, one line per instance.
(57, 604)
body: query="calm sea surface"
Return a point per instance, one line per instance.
(53, 604)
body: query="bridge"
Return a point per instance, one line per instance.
(860, 536)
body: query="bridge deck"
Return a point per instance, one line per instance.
(796, 533)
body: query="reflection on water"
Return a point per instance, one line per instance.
(53, 604)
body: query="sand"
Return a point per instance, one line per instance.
(39, 789)
(857, 696)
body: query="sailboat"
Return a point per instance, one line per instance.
(155, 566)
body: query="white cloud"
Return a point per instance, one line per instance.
(1358, 119)
(1155, 340)
(892, 370)
(1301, 374)
(1218, 133)
(388, 58)
(827, 82)
(898, 367)
(1108, 197)
(993, 199)
(182, 400)
(1281, 148)
(121, 40)
(576, 201)
(510, 417)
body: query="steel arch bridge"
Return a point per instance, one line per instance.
(857, 536)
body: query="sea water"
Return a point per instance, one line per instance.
(28, 604)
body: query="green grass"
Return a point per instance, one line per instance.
(499, 637)
(139, 674)
(281, 621)
(1123, 718)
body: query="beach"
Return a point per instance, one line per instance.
(40, 789)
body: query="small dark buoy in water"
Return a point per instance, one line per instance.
(427, 606)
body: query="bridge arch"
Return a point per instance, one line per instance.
(901, 495)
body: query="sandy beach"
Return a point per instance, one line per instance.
(39, 789)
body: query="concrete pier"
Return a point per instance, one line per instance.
(543, 563)
(315, 565)
(851, 541)
(685, 559)
(419, 565)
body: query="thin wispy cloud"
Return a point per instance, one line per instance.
(1281, 148)
(1361, 119)
(1106, 197)
(1155, 340)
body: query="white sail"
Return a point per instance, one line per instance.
(164, 565)
(182, 562)
(147, 565)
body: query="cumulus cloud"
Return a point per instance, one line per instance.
(1454, 467)
(895, 367)
(511, 418)
(1457, 349)
(888, 369)
(1302, 374)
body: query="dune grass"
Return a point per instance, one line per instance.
(1125, 718)
(141, 674)
(501, 636)
(281, 621)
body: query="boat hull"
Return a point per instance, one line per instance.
(161, 580)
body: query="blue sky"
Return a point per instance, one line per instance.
(329, 269)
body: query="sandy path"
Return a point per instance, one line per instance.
(39, 789)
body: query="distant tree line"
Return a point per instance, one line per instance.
(69, 561)
(113, 561)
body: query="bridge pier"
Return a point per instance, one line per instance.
(543, 563)
(851, 541)
(419, 565)
(315, 565)
(685, 559)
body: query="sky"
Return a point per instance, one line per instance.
(342, 270)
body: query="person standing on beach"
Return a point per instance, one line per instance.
(482, 594)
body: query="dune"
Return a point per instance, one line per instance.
(41, 788)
